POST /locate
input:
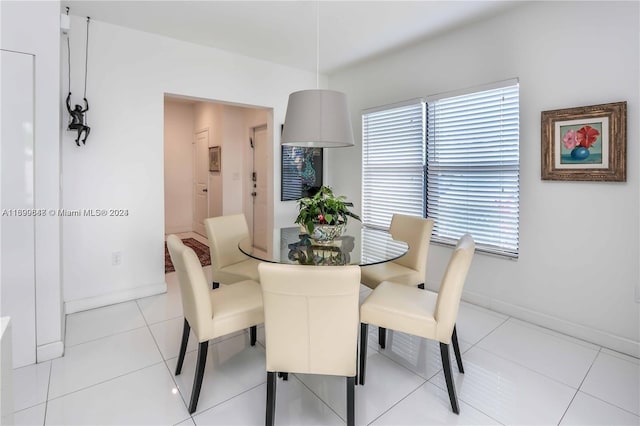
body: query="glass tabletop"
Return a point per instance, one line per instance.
(357, 246)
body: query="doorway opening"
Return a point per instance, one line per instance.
(218, 160)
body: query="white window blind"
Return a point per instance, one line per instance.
(473, 168)
(393, 162)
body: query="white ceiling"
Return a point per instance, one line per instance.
(284, 32)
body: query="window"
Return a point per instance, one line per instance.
(393, 159)
(469, 168)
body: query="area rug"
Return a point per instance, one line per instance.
(202, 251)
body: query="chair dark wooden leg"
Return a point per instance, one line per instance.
(382, 337)
(271, 399)
(421, 286)
(197, 380)
(351, 401)
(364, 338)
(186, 329)
(456, 349)
(451, 388)
(215, 285)
(253, 332)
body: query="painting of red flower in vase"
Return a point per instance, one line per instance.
(581, 143)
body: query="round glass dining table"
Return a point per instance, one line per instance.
(357, 246)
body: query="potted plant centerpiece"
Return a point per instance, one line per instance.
(324, 215)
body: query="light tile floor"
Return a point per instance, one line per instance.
(119, 362)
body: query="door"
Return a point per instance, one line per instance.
(259, 192)
(201, 181)
(17, 252)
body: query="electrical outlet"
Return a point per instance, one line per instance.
(116, 258)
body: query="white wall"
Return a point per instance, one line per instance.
(234, 144)
(34, 27)
(178, 166)
(121, 165)
(579, 241)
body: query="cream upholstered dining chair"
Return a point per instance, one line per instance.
(409, 269)
(421, 313)
(311, 324)
(210, 313)
(228, 264)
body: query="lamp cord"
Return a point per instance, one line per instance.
(69, 62)
(86, 59)
(68, 57)
(317, 44)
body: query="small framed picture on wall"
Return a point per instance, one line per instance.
(585, 143)
(214, 159)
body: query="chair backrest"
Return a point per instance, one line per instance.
(311, 318)
(415, 231)
(224, 234)
(194, 289)
(451, 286)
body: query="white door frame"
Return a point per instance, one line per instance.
(264, 180)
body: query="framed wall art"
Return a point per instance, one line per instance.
(586, 143)
(301, 172)
(214, 159)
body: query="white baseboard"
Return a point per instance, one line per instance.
(112, 298)
(49, 351)
(591, 335)
(598, 337)
(178, 229)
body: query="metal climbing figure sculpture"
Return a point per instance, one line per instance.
(77, 119)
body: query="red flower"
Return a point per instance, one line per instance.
(587, 136)
(321, 218)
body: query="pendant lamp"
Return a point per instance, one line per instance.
(317, 118)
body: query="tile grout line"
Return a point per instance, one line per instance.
(425, 381)
(593, 362)
(463, 352)
(105, 336)
(164, 361)
(316, 395)
(579, 386)
(526, 366)
(104, 381)
(558, 335)
(197, 413)
(398, 402)
(473, 345)
(46, 402)
(596, 397)
(382, 352)
(612, 404)
(440, 369)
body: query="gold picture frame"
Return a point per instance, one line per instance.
(586, 143)
(214, 159)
